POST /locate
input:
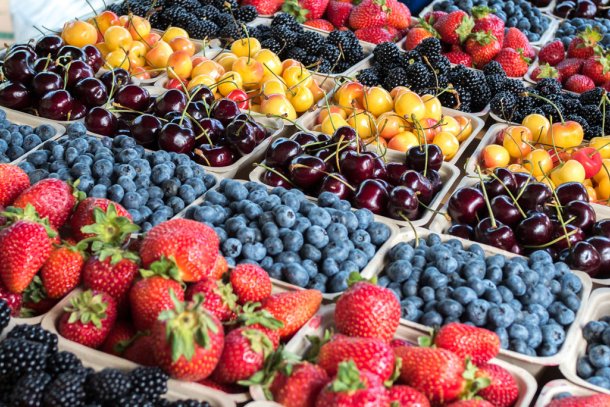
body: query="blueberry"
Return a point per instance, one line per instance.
(599, 381)
(75, 129)
(337, 233)
(379, 232)
(288, 257)
(450, 308)
(464, 295)
(599, 356)
(518, 331)
(365, 217)
(252, 210)
(401, 251)
(187, 193)
(409, 288)
(338, 282)
(155, 192)
(605, 336)
(293, 241)
(216, 197)
(292, 200)
(553, 334)
(234, 190)
(176, 204)
(427, 294)
(477, 285)
(311, 267)
(198, 186)
(474, 269)
(254, 251)
(503, 335)
(275, 271)
(327, 199)
(369, 250)
(330, 267)
(570, 282)
(284, 216)
(246, 235)
(98, 191)
(311, 252)
(160, 173)
(170, 187)
(337, 251)
(319, 217)
(359, 258)
(45, 132)
(431, 318)
(603, 372)
(301, 224)
(28, 168)
(501, 316)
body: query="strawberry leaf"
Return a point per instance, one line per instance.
(348, 378)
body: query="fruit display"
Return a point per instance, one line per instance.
(580, 9)
(35, 373)
(18, 139)
(568, 29)
(590, 366)
(307, 245)
(152, 186)
(519, 14)
(566, 399)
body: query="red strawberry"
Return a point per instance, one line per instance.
(373, 355)
(338, 12)
(299, 385)
(120, 336)
(418, 34)
(293, 309)
(482, 47)
(305, 9)
(320, 24)
(353, 388)
(595, 400)
(597, 68)
(220, 267)
(459, 57)
(13, 181)
(405, 396)
(433, 16)
(250, 282)
(471, 403)
(545, 71)
(191, 246)
(244, 353)
(437, 373)
(374, 35)
(579, 84)
(139, 351)
(516, 40)
(252, 316)
(35, 301)
(106, 220)
(569, 67)
(13, 300)
(368, 311)
(219, 298)
(583, 45)
(61, 272)
(503, 390)
(396, 342)
(454, 27)
(187, 341)
(369, 13)
(486, 21)
(400, 16)
(552, 53)
(89, 318)
(52, 198)
(111, 271)
(264, 7)
(480, 344)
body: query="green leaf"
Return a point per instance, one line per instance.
(348, 378)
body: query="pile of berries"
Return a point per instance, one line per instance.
(16, 140)
(594, 365)
(205, 19)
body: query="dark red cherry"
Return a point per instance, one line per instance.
(49, 45)
(273, 179)
(78, 111)
(211, 129)
(47, 65)
(241, 135)
(584, 257)
(69, 53)
(395, 171)
(498, 186)
(56, 105)
(215, 156)
(571, 191)
(371, 195)
(91, 92)
(77, 70)
(602, 245)
(426, 157)
(304, 139)
(173, 137)
(420, 184)
(281, 152)
(343, 134)
(534, 196)
(307, 171)
(197, 111)
(93, 57)
(225, 110)
(357, 167)
(45, 82)
(204, 94)
(259, 131)
(505, 210)
(535, 230)
(173, 100)
(602, 228)
(435, 178)
(101, 121)
(337, 184)
(500, 236)
(583, 214)
(18, 67)
(132, 97)
(586, 9)
(465, 205)
(462, 231)
(403, 203)
(145, 129)
(15, 96)
(114, 79)
(571, 234)
(522, 179)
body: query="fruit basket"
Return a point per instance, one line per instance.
(324, 321)
(559, 387)
(533, 364)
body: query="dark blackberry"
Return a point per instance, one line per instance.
(35, 333)
(368, 77)
(29, 389)
(494, 68)
(19, 357)
(353, 54)
(174, 13)
(297, 53)
(108, 385)
(457, 74)
(272, 44)
(556, 99)
(311, 42)
(231, 31)
(594, 131)
(476, 84)
(225, 5)
(133, 399)
(246, 14)
(190, 403)
(450, 98)
(324, 66)
(441, 81)
(335, 37)
(201, 29)
(551, 113)
(62, 362)
(189, 5)
(548, 86)
(288, 21)
(429, 47)
(409, 57)
(310, 60)
(465, 104)
(223, 19)
(6, 388)
(503, 105)
(285, 36)
(439, 63)
(5, 314)
(418, 76)
(66, 390)
(396, 77)
(386, 53)
(330, 53)
(591, 114)
(592, 97)
(207, 12)
(513, 86)
(525, 104)
(149, 381)
(342, 66)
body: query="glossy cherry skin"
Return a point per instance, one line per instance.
(173, 137)
(571, 191)
(49, 45)
(77, 70)
(574, 235)
(93, 57)
(145, 129)
(522, 179)
(259, 131)
(505, 210)
(535, 230)
(465, 205)
(419, 184)
(282, 151)
(357, 167)
(371, 195)
(47, 65)
(586, 9)
(101, 121)
(91, 92)
(132, 97)
(78, 111)
(435, 178)
(337, 184)
(225, 110)
(307, 171)
(534, 196)
(45, 82)
(213, 129)
(18, 67)
(417, 157)
(501, 236)
(15, 96)
(272, 178)
(403, 203)
(115, 78)
(584, 257)
(68, 53)
(602, 228)
(304, 138)
(395, 171)
(241, 135)
(215, 156)
(204, 94)
(602, 245)
(171, 101)
(462, 231)
(344, 133)
(498, 186)
(56, 105)
(582, 212)
(197, 111)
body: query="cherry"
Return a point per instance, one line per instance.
(133, 97)
(78, 111)
(417, 157)
(435, 178)
(15, 96)
(47, 65)
(115, 78)
(582, 212)
(77, 70)
(90, 91)
(212, 128)
(602, 228)
(324, 153)
(45, 82)
(18, 67)
(306, 171)
(214, 156)
(586, 9)
(395, 171)
(101, 121)
(533, 196)
(535, 230)
(282, 151)
(197, 111)
(505, 210)
(420, 184)
(357, 167)
(584, 257)
(204, 94)
(259, 131)
(462, 231)
(337, 184)
(272, 178)
(173, 137)
(522, 179)
(575, 235)
(178, 118)
(501, 236)
(304, 138)
(465, 205)
(343, 134)
(324, 138)
(93, 57)
(225, 110)
(145, 129)
(49, 45)
(56, 105)
(241, 135)
(171, 101)
(69, 53)
(571, 191)
(602, 245)
(371, 195)
(564, 9)
(403, 202)
(497, 186)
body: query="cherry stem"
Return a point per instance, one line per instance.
(558, 207)
(491, 214)
(276, 172)
(402, 215)
(549, 102)
(556, 240)
(509, 193)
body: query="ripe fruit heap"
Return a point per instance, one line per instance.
(293, 239)
(442, 282)
(152, 186)
(593, 365)
(33, 372)
(569, 29)
(337, 168)
(207, 19)
(16, 140)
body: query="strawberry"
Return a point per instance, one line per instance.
(293, 309)
(569, 67)
(516, 40)
(112, 271)
(437, 373)
(471, 403)
(579, 83)
(52, 198)
(244, 353)
(407, 396)
(26, 245)
(418, 34)
(264, 7)
(219, 298)
(250, 282)
(13, 300)
(454, 27)
(374, 35)
(545, 71)
(151, 295)
(191, 246)
(338, 12)
(486, 21)
(353, 388)
(433, 16)
(119, 337)
(187, 340)
(305, 9)
(583, 45)
(61, 272)
(480, 344)
(373, 355)
(252, 316)
(368, 311)
(139, 350)
(13, 181)
(220, 267)
(105, 220)
(552, 53)
(320, 24)
(503, 390)
(35, 300)
(483, 47)
(595, 400)
(459, 57)
(89, 318)
(397, 342)
(369, 13)
(400, 17)
(299, 385)
(597, 68)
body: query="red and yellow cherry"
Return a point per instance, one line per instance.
(296, 75)
(325, 111)
(434, 109)
(350, 95)
(270, 61)
(451, 125)
(240, 97)
(200, 80)
(465, 128)
(245, 47)
(117, 59)
(316, 90)
(273, 86)
(158, 56)
(390, 124)
(494, 156)
(538, 126)
(104, 20)
(179, 65)
(410, 106)
(231, 80)
(538, 162)
(183, 44)
(251, 71)
(601, 144)
(565, 135)
(403, 141)
(448, 143)
(430, 128)
(363, 122)
(138, 27)
(152, 38)
(278, 104)
(569, 171)
(173, 32)
(332, 122)
(517, 141)
(377, 100)
(117, 37)
(590, 159)
(226, 60)
(301, 98)
(79, 33)
(137, 54)
(208, 67)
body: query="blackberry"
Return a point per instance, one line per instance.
(225, 5)
(29, 389)
(201, 29)
(189, 5)
(457, 74)
(335, 37)
(592, 97)
(429, 47)
(324, 66)
(272, 44)
(66, 390)
(551, 113)
(297, 53)
(330, 53)
(396, 77)
(409, 57)
(578, 119)
(439, 63)
(418, 76)
(513, 86)
(207, 12)
(368, 77)
(231, 31)
(353, 54)
(245, 14)
(173, 13)
(35, 333)
(62, 362)
(190, 403)
(19, 357)
(591, 114)
(465, 102)
(223, 19)
(450, 98)
(311, 42)
(548, 86)
(475, 83)
(386, 53)
(285, 36)
(149, 381)
(594, 131)
(310, 60)
(108, 385)
(525, 104)
(5, 314)
(288, 21)
(503, 105)
(133, 399)
(494, 68)
(342, 66)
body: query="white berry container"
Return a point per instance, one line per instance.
(324, 320)
(555, 387)
(98, 360)
(533, 364)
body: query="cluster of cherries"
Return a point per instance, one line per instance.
(339, 164)
(514, 212)
(213, 132)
